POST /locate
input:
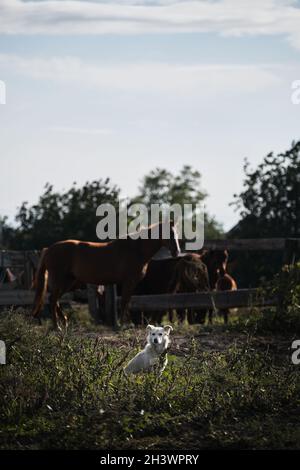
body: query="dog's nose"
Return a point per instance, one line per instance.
(155, 340)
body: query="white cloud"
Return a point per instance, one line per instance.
(226, 17)
(185, 80)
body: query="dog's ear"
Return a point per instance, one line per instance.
(168, 329)
(149, 327)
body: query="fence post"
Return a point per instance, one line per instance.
(28, 272)
(93, 301)
(111, 312)
(31, 260)
(290, 251)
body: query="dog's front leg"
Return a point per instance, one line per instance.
(163, 364)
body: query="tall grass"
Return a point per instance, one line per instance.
(70, 392)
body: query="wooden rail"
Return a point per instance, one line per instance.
(25, 297)
(146, 303)
(201, 300)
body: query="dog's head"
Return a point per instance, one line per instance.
(158, 336)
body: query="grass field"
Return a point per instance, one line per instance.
(229, 388)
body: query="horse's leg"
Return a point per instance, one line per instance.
(225, 315)
(201, 317)
(158, 316)
(53, 308)
(68, 285)
(181, 315)
(191, 316)
(60, 282)
(62, 315)
(125, 306)
(127, 290)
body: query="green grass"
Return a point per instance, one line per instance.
(70, 392)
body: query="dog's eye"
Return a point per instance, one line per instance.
(153, 334)
(160, 334)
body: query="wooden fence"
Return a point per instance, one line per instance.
(201, 300)
(24, 263)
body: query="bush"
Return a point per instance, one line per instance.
(284, 318)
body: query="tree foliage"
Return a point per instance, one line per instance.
(59, 216)
(162, 186)
(269, 207)
(270, 203)
(72, 213)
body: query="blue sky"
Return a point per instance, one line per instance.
(98, 89)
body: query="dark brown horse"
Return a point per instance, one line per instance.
(69, 263)
(215, 260)
(190, 275)
(161, 273)
(156, 281)
(186, 273)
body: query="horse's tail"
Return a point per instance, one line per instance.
(40, 284)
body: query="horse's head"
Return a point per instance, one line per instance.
(172, 242)
(216, 262)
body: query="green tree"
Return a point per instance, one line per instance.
(269, 206)
(72, 214)
(59, 216)
(161, 186)
(270, 203)
(6, 233)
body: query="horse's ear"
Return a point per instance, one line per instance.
(149, 327)
(168, 329)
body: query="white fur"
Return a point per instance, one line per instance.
(158, 340)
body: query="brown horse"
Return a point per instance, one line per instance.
(68, 263)
(186, 273)
(161, 273)
(215, 260)
(225, 282)
(190, 275)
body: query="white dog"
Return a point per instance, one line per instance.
(155, 352)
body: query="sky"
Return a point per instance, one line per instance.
(98, 89)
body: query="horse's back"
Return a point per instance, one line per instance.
(89, 262)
